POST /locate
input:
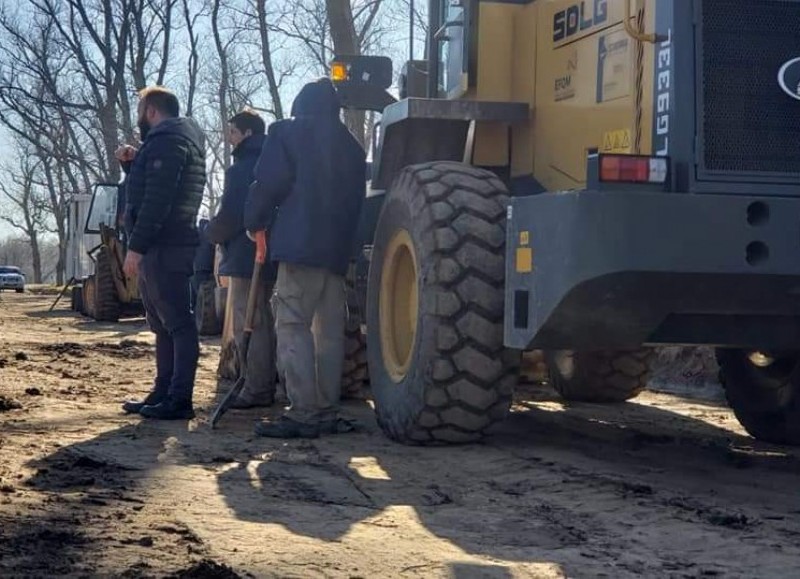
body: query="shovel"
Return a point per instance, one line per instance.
(252, 297)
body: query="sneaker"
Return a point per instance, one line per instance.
(285, 427)
(168, 410)
(135, 406)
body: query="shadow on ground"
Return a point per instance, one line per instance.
(323, 488)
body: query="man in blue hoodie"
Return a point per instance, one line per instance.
(246, 135)
(164, 189)
(310, 183)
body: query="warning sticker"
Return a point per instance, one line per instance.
(617, 141)
(613, 66)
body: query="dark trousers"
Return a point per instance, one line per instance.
(164, 287)
(199, 278)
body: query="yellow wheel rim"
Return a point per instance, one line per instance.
(399, 305)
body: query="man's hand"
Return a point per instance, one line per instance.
(131, 265)
(125, 153)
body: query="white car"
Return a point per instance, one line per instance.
(11, 277)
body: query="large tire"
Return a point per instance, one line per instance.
(355, 375)
(764, 393)
(220, 300)
(205, 312)
(89, 296)
(76, 304)
(439, 372)
(107, 306)
(602, 376)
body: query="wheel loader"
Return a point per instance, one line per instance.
(107, 294)
(589, 179)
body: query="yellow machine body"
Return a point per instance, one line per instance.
(589, 89)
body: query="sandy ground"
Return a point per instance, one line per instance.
(664, 487)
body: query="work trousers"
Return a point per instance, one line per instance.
(164, 274)
(310, 327)
(260, 373)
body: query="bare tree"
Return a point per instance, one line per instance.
(191, 20)
(273, 82)
(29, 209)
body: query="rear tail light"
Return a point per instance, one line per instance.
(633, 169)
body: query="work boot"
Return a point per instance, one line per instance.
(338, 426)
(285, 427)
(156, 396)
(169, 409)
(245, 400)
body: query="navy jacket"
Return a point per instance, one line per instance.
(227, 226)
(204, 254)
(165, 187)
(310, 184)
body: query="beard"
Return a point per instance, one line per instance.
(144, 128)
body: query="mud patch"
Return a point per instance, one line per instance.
(713, 516)
(206, 569)
(138, 571)
(51, 537)
(7, 404)
(74, 470)
(65, 349)
(185, 533)
(126, 349)
(310, 483)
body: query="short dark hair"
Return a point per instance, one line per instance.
(162, 99)
(249, 120)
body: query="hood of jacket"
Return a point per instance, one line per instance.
(317, 99)
(184, 127)
(250, 147)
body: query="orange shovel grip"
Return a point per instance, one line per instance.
(261, 246)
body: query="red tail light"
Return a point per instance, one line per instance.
(633, 169)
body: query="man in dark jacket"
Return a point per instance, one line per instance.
(246, 135)
(165, 185)
(309, 188)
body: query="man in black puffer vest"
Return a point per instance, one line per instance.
(165, 185)
(246, 134)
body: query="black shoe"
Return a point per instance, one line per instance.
(134, 406)
(285, 427)
(169, 410)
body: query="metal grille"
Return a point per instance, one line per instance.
(749, 124)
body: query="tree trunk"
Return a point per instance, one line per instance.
(36, 257)
(224, 81)
(345, 42)
(266, 58)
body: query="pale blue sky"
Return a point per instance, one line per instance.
(397, 45)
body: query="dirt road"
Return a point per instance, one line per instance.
(664, 487)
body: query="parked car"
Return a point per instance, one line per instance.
(11, 277)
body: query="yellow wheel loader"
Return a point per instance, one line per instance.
(106, 294)
(589, 179)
